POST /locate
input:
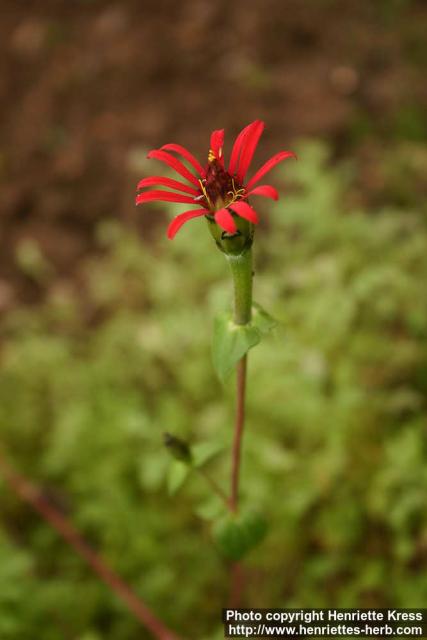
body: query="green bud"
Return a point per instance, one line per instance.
(178, 448)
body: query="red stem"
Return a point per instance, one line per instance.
(238, 432)
(237, 581)
(32, 496)
(236, 567)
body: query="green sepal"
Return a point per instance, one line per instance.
(232, 244)
(236, 535)
(232, 341)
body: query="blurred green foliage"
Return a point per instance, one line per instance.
(335, 450)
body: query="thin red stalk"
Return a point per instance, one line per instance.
(238, 432)
(236, 567)
(32, 496)
(237, 579)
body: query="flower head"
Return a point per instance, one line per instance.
(220, 193)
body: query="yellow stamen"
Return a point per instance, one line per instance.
(235, 194)
(205, 193)
(211, 156)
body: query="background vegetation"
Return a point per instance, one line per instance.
(104, 351)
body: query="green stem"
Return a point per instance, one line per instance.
(241, 269)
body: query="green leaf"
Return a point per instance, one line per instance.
(256, 528)
(236, 535)
(262, 320)
(211, 509)
(204, 452)
(177, 475)
(230, 343)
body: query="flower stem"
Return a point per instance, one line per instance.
(237, 581)
(241, 269)
(238, 432)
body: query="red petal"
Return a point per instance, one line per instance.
(172, 162)
(237, 147)
(225, 220)
(250, 143)
(244, 210)
(265, 190)
(282, 155)
(187, 155)
(177, 222)
(164, 196)
(217, 144)
(167, 182)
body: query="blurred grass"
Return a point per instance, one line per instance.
(335, 453)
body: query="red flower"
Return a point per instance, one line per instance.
(219, 191)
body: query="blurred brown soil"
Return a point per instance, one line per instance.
(87, 86)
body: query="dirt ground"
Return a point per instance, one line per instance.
(87, 86)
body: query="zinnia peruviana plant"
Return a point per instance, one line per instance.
(221, 193)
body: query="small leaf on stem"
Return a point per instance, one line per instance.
(177, 475)
(236, 535)
(212, 508)
(262, 320)
(230, 343)
(204, 452)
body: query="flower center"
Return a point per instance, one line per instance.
(219, 188)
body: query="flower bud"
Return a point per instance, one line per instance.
(178, 448)
(232, 244)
